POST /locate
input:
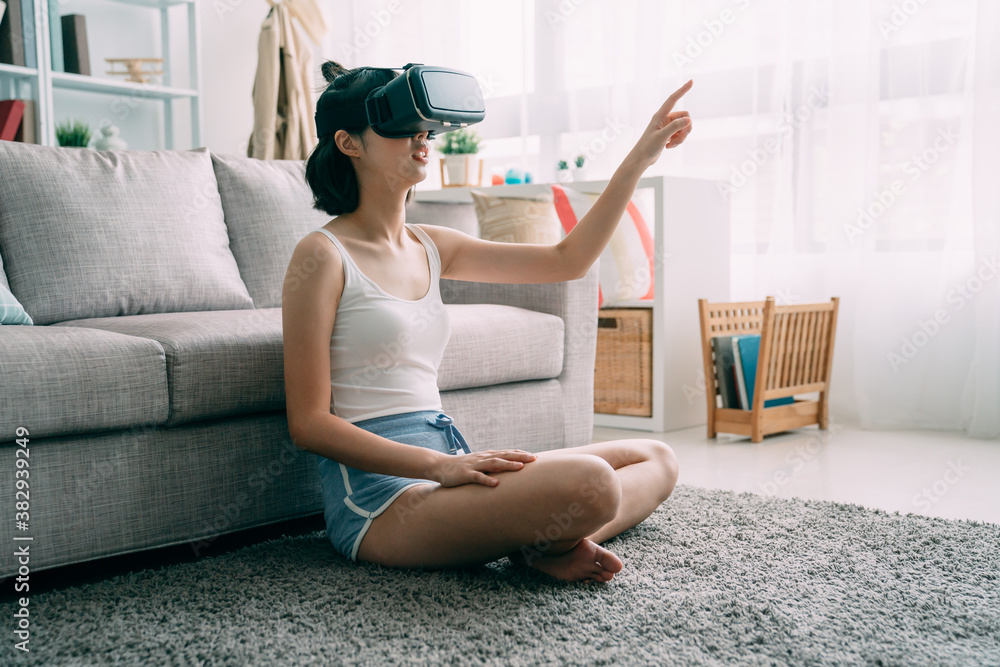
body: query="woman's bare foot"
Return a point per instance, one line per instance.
(587, 561)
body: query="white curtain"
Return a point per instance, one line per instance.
(858, 142)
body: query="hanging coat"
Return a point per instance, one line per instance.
(282, 89)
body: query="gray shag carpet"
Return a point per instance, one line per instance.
(712, 577)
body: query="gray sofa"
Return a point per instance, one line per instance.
(151, 383)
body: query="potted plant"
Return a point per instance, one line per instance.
(563, 174)
(579, 171)
(459, 148)
(75, 133)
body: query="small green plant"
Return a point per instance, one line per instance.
(562, 165)
(459, 141)
(75, 133)
(580, 159)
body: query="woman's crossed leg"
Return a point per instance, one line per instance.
(549, 514)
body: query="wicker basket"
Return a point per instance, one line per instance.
(623, 380)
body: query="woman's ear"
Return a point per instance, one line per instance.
(347, 144)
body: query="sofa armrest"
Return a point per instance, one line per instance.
(575, 301)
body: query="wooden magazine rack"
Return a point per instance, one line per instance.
(796, 357)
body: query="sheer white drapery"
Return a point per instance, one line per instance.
(858, 142)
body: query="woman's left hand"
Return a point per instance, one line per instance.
(667, 129)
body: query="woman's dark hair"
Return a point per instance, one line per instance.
(329, 172)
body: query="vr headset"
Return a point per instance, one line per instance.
(436, 99)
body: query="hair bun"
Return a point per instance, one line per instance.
(332, 69)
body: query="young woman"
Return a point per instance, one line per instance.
(364, 332)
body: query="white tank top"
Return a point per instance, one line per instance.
(385, 351)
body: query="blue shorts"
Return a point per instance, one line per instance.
(352, 498)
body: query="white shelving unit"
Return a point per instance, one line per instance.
(691, 253)
(39, 83)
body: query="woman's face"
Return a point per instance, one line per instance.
(399, 163)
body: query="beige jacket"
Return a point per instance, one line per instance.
(283, 127)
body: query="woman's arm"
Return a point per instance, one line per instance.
(587, 240)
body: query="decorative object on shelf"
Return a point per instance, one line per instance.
(516, 220)
(791, 353)
(11, 113)
(134, 68)
(627, 260)
(514, 176)
(623, 362)
(579, 168)
(109, 140)
(563, 174)
(75, 51)
(459, 148)
(75, 133)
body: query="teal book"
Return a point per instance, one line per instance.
(747, 349)
(55, 36)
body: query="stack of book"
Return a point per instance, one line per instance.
(736, 371)
(67, 37)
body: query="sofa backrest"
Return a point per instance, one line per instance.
(87, 233)
(268, 208)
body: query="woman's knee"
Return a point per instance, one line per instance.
(664, 454)
(594, 486)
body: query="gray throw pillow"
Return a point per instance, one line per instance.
(87, 233)
(268, 207)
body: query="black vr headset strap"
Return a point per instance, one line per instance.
(372, 111)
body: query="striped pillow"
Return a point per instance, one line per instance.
(11, 311)
(626, 271)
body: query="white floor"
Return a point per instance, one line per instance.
(934, 473)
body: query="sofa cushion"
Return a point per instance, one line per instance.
(268, 207)
(219, 363)
(88, 233)
(62, 381)
(492, 344)
(456, 215)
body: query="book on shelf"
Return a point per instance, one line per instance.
(28, 32)
(745, 352)
(55, 37)
(28, 132)
(723, 348)
(76, 56)
(11, 112)
(11, 40)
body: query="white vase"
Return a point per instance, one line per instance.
(110, 141)
(579, 173)
(460, 168)
(564, 176)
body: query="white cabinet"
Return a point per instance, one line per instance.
(691, 261)
(39, 83)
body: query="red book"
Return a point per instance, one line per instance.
(11, 113)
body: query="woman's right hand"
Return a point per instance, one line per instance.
(458, 469)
